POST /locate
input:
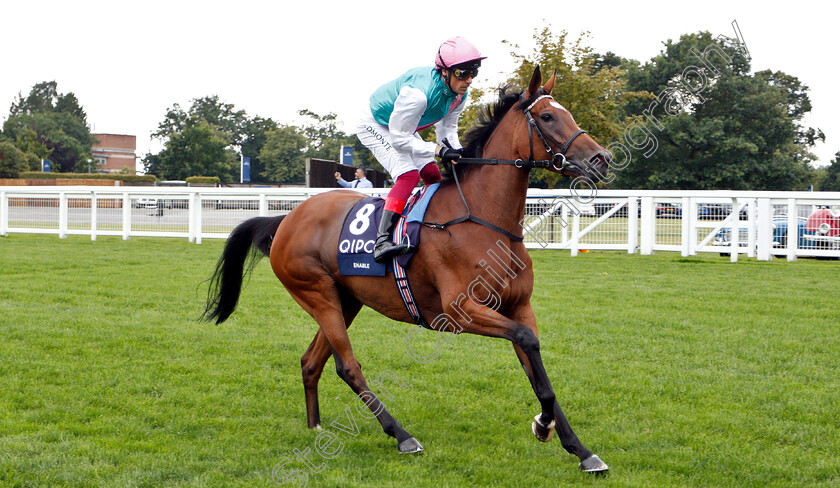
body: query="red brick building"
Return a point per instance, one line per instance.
(115, 152)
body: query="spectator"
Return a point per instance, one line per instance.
(361, 180)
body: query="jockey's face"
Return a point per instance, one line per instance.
(457, 85)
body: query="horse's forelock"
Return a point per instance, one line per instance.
(524, 104)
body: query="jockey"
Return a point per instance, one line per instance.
(418, 99)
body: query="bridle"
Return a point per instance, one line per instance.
(556, 157)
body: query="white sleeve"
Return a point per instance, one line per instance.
(447, 127)
(344, 183)
(408, 109)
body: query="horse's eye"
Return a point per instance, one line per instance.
(546, 117)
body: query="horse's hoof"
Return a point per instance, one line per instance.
(317, 427)
(593, 464)
(410, 446)
(542, 432)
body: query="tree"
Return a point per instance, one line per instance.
(12, 160)
(283, 155)
(51, 125)
(43, 97)
(832, 175)
(256, 130)
(324, 140)
(590, 88)
(29, 143)
(714, 126)
(196, 150)
(241, 134)
(210, 109)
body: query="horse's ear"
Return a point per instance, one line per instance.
(536, 81)
(549, 85)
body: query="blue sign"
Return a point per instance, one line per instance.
(245, 170)
(347, 155)
(46, 165)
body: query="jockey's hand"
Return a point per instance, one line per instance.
(448, 154)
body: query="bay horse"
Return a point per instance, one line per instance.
(302, 248)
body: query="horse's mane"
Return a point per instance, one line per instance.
(488, 119)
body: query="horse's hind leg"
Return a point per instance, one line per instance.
(321, 300)
(311, 365)
(316, 356)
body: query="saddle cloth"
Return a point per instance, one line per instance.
(358, 233)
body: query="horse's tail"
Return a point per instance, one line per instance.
(251, 238)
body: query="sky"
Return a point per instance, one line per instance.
(128, 62)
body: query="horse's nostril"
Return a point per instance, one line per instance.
(600, 160)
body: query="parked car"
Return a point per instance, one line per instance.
(241, 204)
(146, 202)
(704, 212)
(602, 208)
(822, 229)
(669, 210)
(718, 211)
(174, 202)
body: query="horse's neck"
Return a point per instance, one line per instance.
(498, 191)
(497, 194)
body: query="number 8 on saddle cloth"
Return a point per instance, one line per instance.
(358, 234)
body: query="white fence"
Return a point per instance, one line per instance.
(755, 224)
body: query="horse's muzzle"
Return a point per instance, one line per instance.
(595, 168)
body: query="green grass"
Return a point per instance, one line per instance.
(677, 371)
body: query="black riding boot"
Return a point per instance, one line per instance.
(385, 248)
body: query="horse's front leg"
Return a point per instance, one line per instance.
(523, 334)
(588, 461)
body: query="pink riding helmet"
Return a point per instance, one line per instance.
(455, 51)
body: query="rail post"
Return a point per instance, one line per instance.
(685, 220)
(632, 224)
(93, 205)
(126, 216)
(648, 225)
(793, 230)
(764, 233)
(4, 214)
(62, 215)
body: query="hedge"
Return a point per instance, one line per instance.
(37, 175)
(203, 180)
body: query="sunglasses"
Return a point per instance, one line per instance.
(463, 74)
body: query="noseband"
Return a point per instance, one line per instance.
(556, 157)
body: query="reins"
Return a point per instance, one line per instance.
(519, 163)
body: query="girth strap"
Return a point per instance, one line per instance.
(477, 220)
(401, 276)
